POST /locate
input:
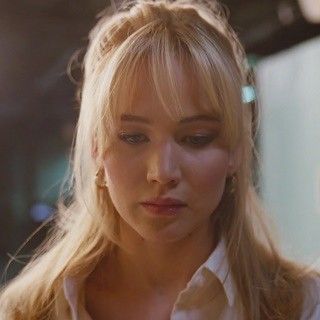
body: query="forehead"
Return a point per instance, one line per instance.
(177, 95)
(148, 101)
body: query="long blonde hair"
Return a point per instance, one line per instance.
(150, 34)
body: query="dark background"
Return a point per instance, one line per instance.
(37, 105)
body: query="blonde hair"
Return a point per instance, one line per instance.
(151, 34)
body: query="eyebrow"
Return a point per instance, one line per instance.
(198, 117)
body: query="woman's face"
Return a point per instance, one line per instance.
(154, 156)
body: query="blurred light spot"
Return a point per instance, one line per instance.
(285, 13)
(311, 10)
(248, 94)
(40, 212)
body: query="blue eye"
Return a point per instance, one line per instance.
(132, 138)
(193, 141)
(198, 140)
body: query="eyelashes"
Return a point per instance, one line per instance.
(132, 138)
(198, 140)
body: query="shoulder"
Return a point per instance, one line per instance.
(311, 305)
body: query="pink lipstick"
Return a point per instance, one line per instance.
(164, 206)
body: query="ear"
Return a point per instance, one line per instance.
(235, 159)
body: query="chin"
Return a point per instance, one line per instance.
(163, 237)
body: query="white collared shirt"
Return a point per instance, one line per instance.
(210, 294)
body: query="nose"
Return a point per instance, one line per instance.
(163, 165)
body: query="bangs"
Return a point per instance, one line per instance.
(171, 85)
(175, 65)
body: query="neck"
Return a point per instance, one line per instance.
(161, 267)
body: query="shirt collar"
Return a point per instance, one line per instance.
(218, 264)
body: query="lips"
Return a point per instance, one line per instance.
(165, 202)
(167, 207)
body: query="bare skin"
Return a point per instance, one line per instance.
(159, 157)
(141, 286)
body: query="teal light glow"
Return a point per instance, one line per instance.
(248, 94)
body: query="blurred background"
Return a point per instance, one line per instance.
(38, 111)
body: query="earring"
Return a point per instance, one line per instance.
(233, 184)
(100, 179)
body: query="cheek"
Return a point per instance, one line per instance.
(121, 173)
(209, 171)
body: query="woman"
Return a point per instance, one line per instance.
(164, 222)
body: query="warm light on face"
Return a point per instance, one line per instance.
(154, 155)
